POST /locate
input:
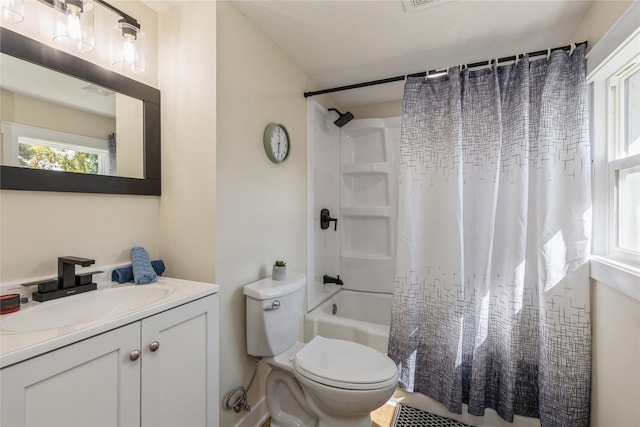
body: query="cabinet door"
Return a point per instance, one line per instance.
(90, 383)
(180, 375)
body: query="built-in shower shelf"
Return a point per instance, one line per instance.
(384, 211)
(353, 256)
(363, 168)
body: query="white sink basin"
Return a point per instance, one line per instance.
(38, 328)
(91, 306)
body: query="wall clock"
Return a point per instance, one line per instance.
(276, 142)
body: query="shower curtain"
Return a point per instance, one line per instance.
(491, 301)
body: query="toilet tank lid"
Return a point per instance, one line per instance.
(268, 288)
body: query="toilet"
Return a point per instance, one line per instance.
(324, 383)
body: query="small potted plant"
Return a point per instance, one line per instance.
(279, 271)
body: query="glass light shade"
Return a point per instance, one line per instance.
(73, 25)
(130, 54)
(11, 11)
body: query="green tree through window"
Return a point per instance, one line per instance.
(54, 158)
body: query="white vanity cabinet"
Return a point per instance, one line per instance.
(159, 371)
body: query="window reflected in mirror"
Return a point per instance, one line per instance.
(53, 121)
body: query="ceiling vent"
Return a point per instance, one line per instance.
(97, 90)
(418, 5)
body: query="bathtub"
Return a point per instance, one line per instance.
(361, 317)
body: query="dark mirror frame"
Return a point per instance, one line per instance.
(17, 178)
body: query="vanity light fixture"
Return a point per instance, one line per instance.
(11, 11)
(73, 28)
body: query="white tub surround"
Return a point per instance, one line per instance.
(352, 173)
(368, 208)
(323, 192)
(361, 317)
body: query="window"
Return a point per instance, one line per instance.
(623, 141)
(614, 81)
(39, 148)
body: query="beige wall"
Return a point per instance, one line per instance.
(616, 358)
(261, 207)
(26, 110)
(378, 111)
(37, 227)
(597, 21)
(187, 76)
(129, 137)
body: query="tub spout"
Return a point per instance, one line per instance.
(330, 279)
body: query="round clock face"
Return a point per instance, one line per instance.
(276, 142)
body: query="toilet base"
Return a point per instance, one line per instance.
(326, 419)
(285, 401)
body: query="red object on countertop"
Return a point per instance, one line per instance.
(9, 303)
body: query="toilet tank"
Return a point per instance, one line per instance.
(275, 310)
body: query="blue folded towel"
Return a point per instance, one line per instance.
(143, 272)
(125, 274)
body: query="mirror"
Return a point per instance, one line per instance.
(70, 125)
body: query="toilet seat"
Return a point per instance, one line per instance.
(344, 364)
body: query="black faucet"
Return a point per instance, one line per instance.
(330, 279)
(67, 270)
(68, 282)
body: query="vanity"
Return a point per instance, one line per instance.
(123, 355)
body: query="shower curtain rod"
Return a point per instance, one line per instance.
(430, 72)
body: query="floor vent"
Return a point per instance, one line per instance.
(418, 5)
(406, 416)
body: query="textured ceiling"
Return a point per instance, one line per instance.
(351, 41)
(340, 42)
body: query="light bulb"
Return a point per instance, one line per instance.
(74, 25)
(74, 30)
(130, 56)
(128, 51)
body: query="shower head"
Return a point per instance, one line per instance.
(343, 119)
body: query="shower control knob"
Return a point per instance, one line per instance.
(325, 220)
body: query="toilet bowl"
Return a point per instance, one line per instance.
(324, 383)
(344, 379)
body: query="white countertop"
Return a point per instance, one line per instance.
(16, 346)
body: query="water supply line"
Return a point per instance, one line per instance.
(236, 399)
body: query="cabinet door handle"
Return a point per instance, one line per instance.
(154, 346)
(134, 355)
